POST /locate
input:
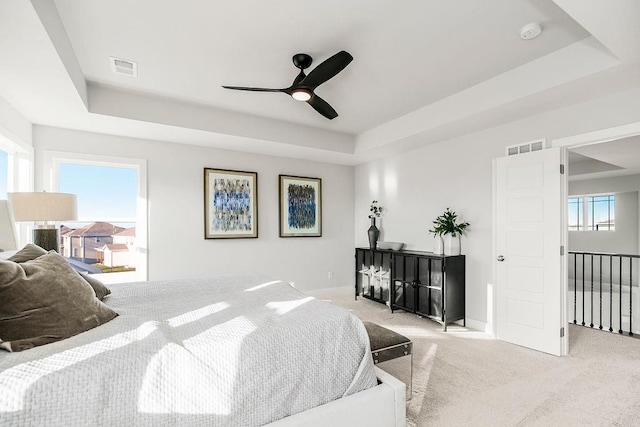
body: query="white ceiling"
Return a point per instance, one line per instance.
(614, 158)
(407, 54)
(421, 68)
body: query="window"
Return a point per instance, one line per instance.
(601, 213)
(599, 210)
(576, 213)
(111, 208)
(4, 173)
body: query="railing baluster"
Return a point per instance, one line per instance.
(620, 278)
(591, 277)
(610, 293)
(575, 288)
(600, 292)
(630, 297)
(583, 290)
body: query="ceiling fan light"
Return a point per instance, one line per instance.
(301, 95)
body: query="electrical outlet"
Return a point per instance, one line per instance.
(330, 275)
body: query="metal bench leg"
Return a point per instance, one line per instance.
(411, 378)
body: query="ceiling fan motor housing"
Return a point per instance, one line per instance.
(302, 60)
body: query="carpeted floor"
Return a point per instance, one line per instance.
(463, 377)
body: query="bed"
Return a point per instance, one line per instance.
(238, 350)
(231, 350)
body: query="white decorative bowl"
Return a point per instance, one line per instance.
(394, 246)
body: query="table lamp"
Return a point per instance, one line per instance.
(45, 207)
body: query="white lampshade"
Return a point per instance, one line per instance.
(44, 206)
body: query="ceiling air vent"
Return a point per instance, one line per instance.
(124, 66)
(527, 147)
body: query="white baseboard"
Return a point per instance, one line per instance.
(479, 325)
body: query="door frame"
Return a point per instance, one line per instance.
(565, 143)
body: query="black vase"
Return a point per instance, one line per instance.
(374, 233)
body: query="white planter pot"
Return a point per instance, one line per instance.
(451, 245)
(438, 245)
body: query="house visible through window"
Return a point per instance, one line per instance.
(599, 211)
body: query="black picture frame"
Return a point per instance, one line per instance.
(300, 206)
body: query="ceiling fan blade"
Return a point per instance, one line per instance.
(322, 107)
(327, 69)
(253, 89)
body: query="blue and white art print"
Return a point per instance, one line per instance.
(231, 204)
(300, 206)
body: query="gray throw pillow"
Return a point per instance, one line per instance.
(98, 287)
(31, 251)
(45, 300)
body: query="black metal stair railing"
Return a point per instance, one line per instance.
(603, 288)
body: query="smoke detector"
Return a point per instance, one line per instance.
(123, 66)
(530, 31)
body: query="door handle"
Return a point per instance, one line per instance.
(500, 258)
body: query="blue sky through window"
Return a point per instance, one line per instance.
(104, 193)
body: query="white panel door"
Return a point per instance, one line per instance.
(529, 282)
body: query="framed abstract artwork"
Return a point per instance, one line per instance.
(230, 204)
(300, 206)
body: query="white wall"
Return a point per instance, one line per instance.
(416, 186)
(177, 247)
(14, 126)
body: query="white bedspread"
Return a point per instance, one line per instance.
(233, 350)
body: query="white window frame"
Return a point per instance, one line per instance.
(19, 165)
(19, 176)
(50, 181)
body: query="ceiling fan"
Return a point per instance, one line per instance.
(303, 86)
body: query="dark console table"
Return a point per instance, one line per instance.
(423, 283)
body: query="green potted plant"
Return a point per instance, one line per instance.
(447, 231)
